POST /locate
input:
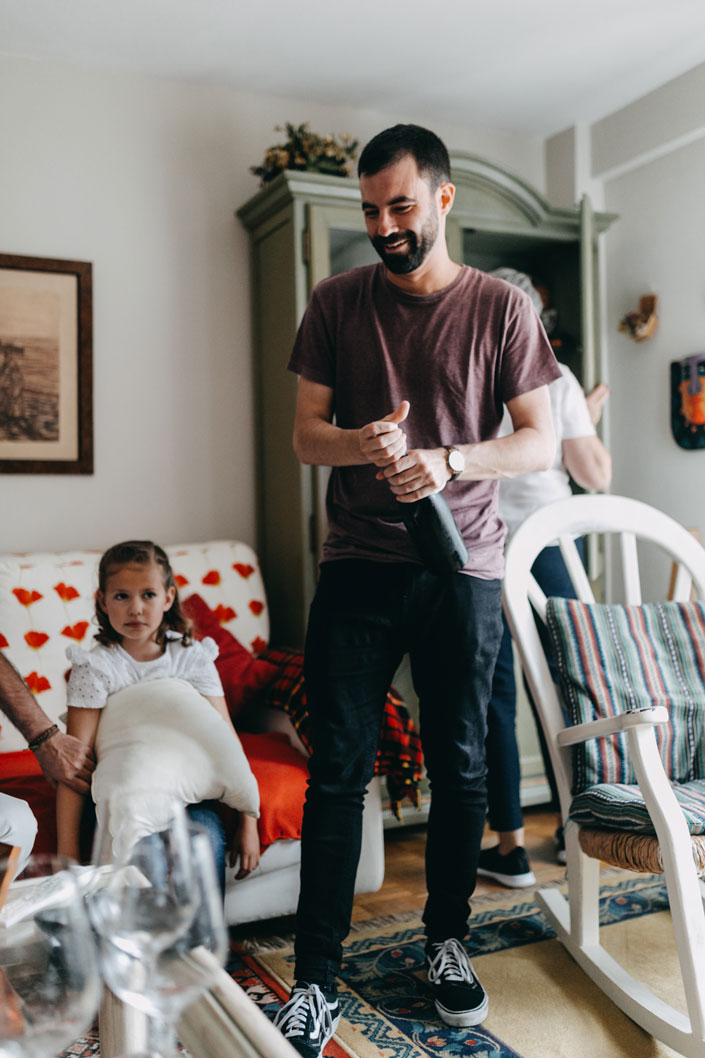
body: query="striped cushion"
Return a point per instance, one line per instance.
(615, 806)
(612, 659)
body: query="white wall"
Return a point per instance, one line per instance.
(657, 246)
(141, 177)
(649, 158)
(652, 158)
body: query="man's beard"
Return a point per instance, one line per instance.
(400, 262)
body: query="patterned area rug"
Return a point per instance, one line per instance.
(541, 1003)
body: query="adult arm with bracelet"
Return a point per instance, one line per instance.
(62, 758)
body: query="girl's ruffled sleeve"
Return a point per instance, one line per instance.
(89, 682)
(202, 672)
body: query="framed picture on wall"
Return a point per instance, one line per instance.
(46, 366)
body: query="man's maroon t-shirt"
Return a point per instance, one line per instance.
(457, 356)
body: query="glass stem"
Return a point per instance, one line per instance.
(161, 1038)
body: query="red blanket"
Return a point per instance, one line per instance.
(399, 757)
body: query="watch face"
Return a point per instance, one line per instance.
(456, 461)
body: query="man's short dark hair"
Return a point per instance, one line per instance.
(427, 149)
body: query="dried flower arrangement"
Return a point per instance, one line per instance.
(304, 149)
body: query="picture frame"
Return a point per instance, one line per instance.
(46, 366)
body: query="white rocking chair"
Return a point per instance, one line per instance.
(680, 855)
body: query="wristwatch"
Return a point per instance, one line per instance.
(455, 461)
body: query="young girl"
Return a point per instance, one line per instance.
(143, 636)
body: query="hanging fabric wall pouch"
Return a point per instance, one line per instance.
(688, 401)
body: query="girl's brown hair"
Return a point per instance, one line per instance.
(142, 553)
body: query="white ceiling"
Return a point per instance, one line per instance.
(534, 65)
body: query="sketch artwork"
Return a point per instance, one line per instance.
(29, 390)
(46, 366)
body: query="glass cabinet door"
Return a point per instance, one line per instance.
(337, 241)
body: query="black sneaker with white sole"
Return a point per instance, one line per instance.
(459, 997)
(510, 868)
(308, 1019)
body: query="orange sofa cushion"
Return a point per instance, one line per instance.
(281, 773)
(282, 776)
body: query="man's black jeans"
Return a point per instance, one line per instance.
(364, 618)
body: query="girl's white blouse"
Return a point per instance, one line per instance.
(104, 670)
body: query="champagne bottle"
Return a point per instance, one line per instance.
(436, 536)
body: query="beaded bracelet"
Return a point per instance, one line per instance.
(44, 737)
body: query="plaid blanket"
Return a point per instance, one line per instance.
(399, 757)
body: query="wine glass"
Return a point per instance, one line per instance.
(144, 889)
(143, 893)
(49, 980)
(181, 972)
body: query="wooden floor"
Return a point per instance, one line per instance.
(404, 887)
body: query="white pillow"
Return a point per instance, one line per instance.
(161, 737)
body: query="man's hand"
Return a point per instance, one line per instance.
(418, 473)
(382, 442)
(410, 475)
(65, 759)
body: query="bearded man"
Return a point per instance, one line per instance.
(404, 368)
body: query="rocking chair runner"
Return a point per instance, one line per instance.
(622, 738)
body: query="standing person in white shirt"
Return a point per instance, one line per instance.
(580, 455)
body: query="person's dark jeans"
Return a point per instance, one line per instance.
(503, 773)
(363, 619)
(205, 814)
